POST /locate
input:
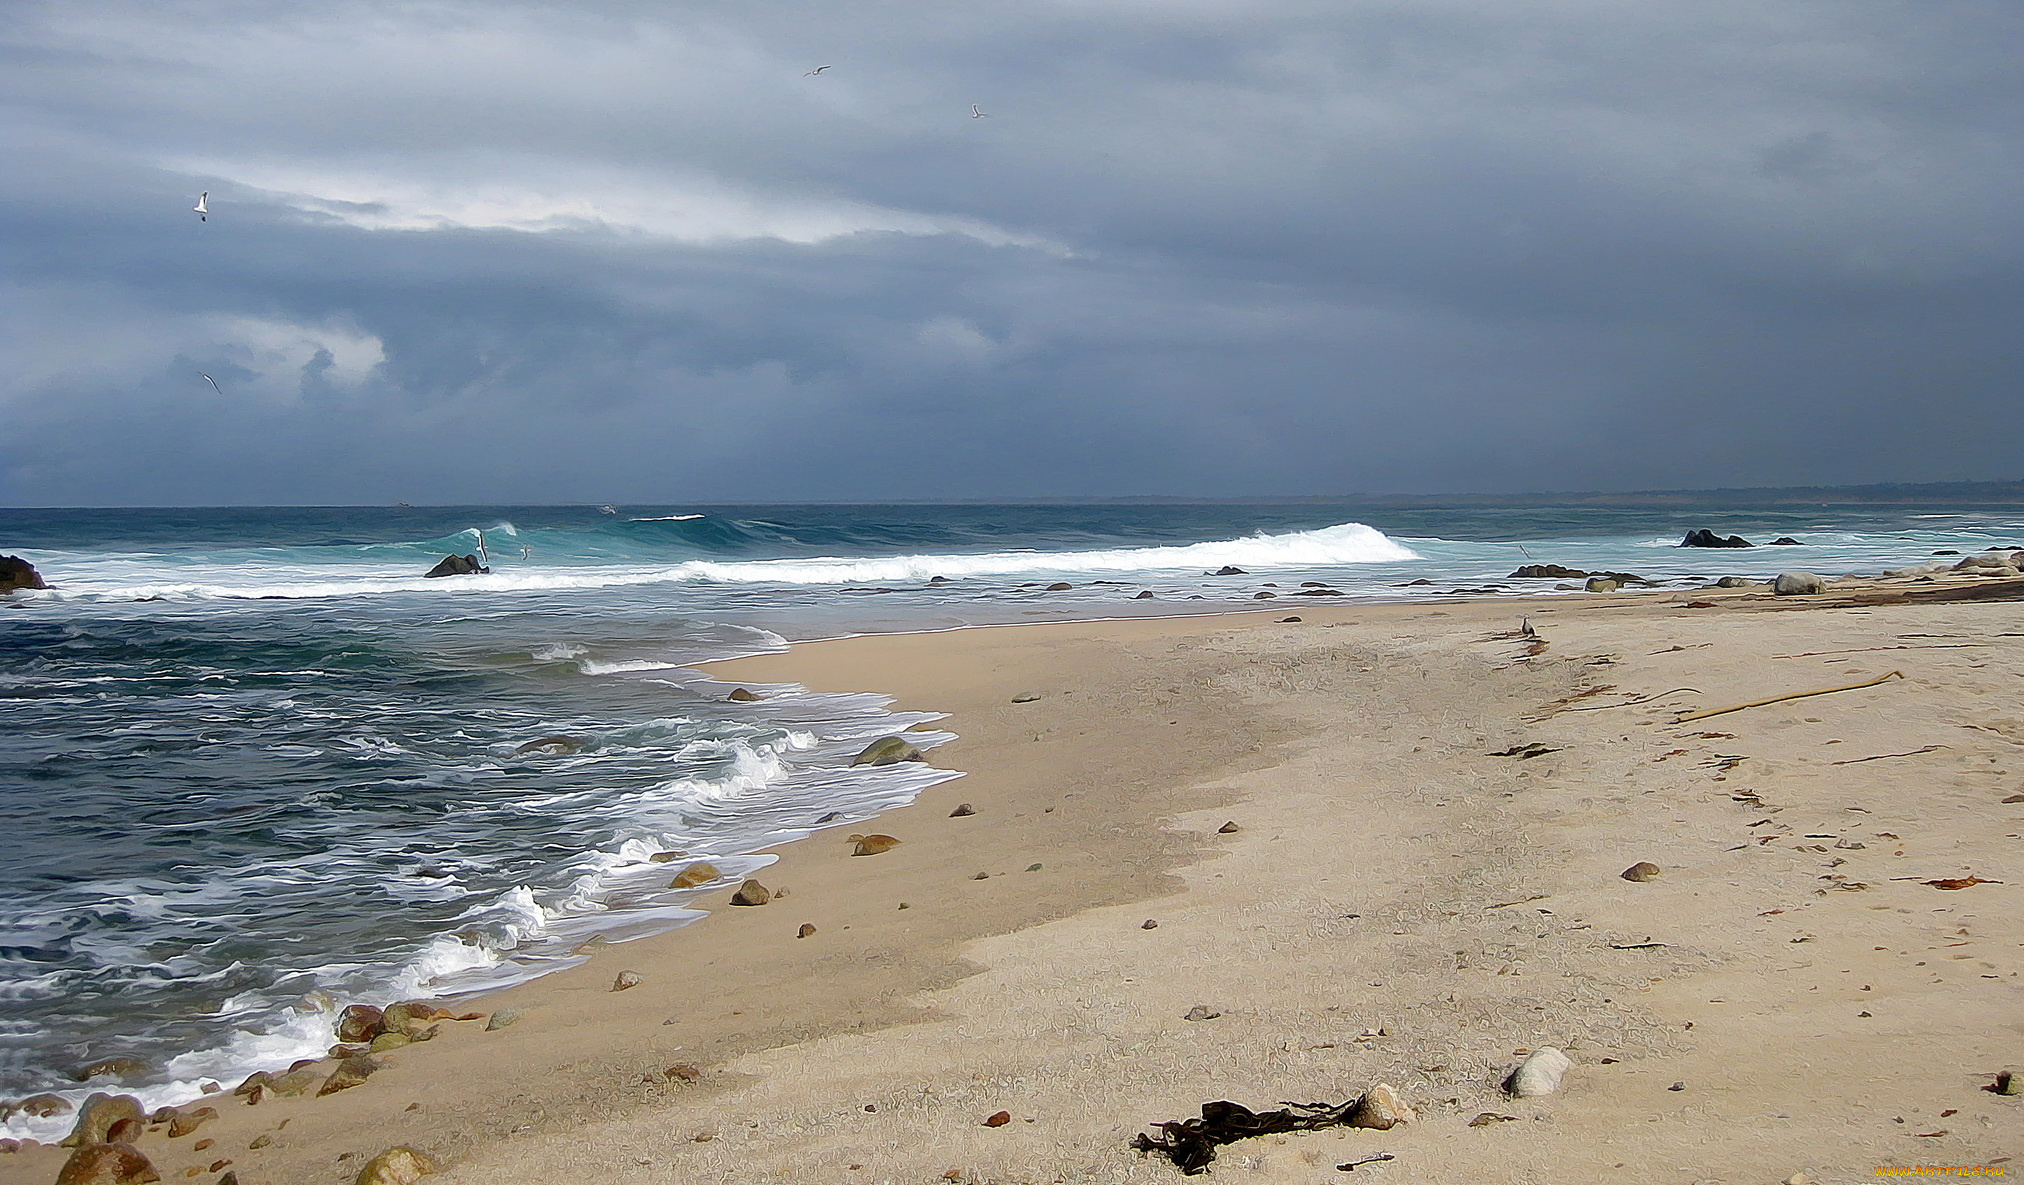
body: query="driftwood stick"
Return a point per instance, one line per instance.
(1885, 756)
(1632, 703)
(1779, 699)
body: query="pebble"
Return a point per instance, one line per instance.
(807, 929)
(982, 876)
(1229, 828)
(1643, 870)
(500, 1019)
(1677, 1086)
(1539, 1074)
(1381, 1108)
(963, 810)
(999, 1119)
(624, 980)
(1149, 924)
(1026, 697)
(751, 893)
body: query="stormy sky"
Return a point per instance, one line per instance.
(618, 251)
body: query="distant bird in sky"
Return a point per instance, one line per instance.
(976, 114)
(202, 207)
(214, 382)
(814, 72)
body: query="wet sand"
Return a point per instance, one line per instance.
(1399, 903)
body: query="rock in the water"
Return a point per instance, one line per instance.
(1539, 1074)
(624, 980)
(701, 873)
(887, 751)
(1734, 582)
(1059, 586)
(396, 1166)
(554, 744)
(1798, 584)
(1026, 697)
(349, 1073)
(1785, 541)
(42, 1106)
(1144, 595)
(1546, 572)
(457, 565)
(1381, 1108)
(1707, 538)
(1229, 828)
(16, 572)
(1601, 584)
(807, 929)
(741, 696)
(1643, 870)
(963, 810)
(98, 1115)
(502, 1018)
(182, 1123)
(1201, 1012)
(112, 1067)
(359, 1022)
(1263, 596)
(107, 1164)
(872, 845)
(1229, 570)
(751, 893)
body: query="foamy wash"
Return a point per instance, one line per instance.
(253, 762)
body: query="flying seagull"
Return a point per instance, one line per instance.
(202, 208)
(814, 72)
(976, 114)
(212, 381)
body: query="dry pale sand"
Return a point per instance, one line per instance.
(1399, 905)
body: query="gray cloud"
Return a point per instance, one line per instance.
(522, 252)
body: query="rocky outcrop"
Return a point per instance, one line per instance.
(359, 1022)
(1706, 538)
(458, 565)
(107, 1164)
(1228, 570)
(396, 1166)
(1546, 572)
(887, 751)
(16, 572)
(100, 1112)
(1785, 541)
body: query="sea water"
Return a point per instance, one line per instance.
(255, 765)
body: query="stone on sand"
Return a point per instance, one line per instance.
(887, 751)
(359, 1022)
(872, 845)
(751, 893)
(396, 1166)
(696, 874)
(1798, 584)
(1734, 582)
(182, 1123)
(1026, 697)
(963, 810)
(1643, 870)
(1381, 1108)
(500, 1019)
(1539, 1074)
(107, 1164)
(624, 980)
(807, 930)
(96, 1118)
(349, 1073)
(1229, 828)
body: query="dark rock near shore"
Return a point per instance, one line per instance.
(1706, 538)
(458, 565)
(1546, 572)
(359, 1022)
(1229, 570)
(1144, 595)
(16, 572)
(1735, 582)
(1785, 541)
(1798, 584)
(112, 1067)
(887, 751)
(741, 696)
(100, 1112)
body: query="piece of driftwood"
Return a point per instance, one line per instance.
(1632, 703)
(1887, 756)
(1779, 699)
(1191, 1143)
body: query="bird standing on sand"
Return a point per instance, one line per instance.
(976, 114)
(814, 72)
(202, 207)
(214, 382)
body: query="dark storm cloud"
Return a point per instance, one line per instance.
(602, 251)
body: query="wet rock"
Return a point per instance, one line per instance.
(16, 572)
(407, 1016)
(1734, 582)
(42, 1106)
(1059, 586)
(665, 857)
(349, 1073)
(1643, 870)
(963, 811)
(1026, 697)
(1539, 1074)
(1546, 572)
(1707, 538)
(396, 1166)
(359, 1022)
(1228, 570)
(741, 696)
(700, 873)
(107, 1164)
(1288, 620)
(1145, 595)
(112, 1067)
(182, 1123)
(1229, 828)
(457, 565)
(1798, 584)
(551, 744)
(887, 751)
(344, 1050)
(388, 1041)
(501, 1019)
(626, 980)
(1601, 584)
(1785, 541)
(98, 1115)
(292, 1083)
(807, 930)
(1381, 1108)
(872, 845)
(257, 1080)
(1263, 596)
(1201, 1012)
(751, 893)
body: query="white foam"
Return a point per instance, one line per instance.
(668, 518)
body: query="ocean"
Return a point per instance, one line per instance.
(255, 765)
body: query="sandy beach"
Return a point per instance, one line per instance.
(1429, 809)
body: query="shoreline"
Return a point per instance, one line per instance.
(867, 997)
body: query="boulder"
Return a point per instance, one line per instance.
(1228, 570)
(42, 1106)
(407, 1016)
(182, 1123)
(696, 874)
(457, 565)
(872, 845)
(96, 1118)
(1547, 572)
(1643, 870)
(1380, 1108)
(359, 1022)
(887, 751)
(349, 1073)
(1735, 582)
(112, 1067)
(1601, 584)
(554, 744)
(16, 572)
(751, 893)
(1785, 541)
(1539, 1074)
(1144, 595)
(1707, 538)
(107, 1164)
(292, 1083)
(396, 1166)
(388, 1041)
(741, 696)
(1798, 584)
